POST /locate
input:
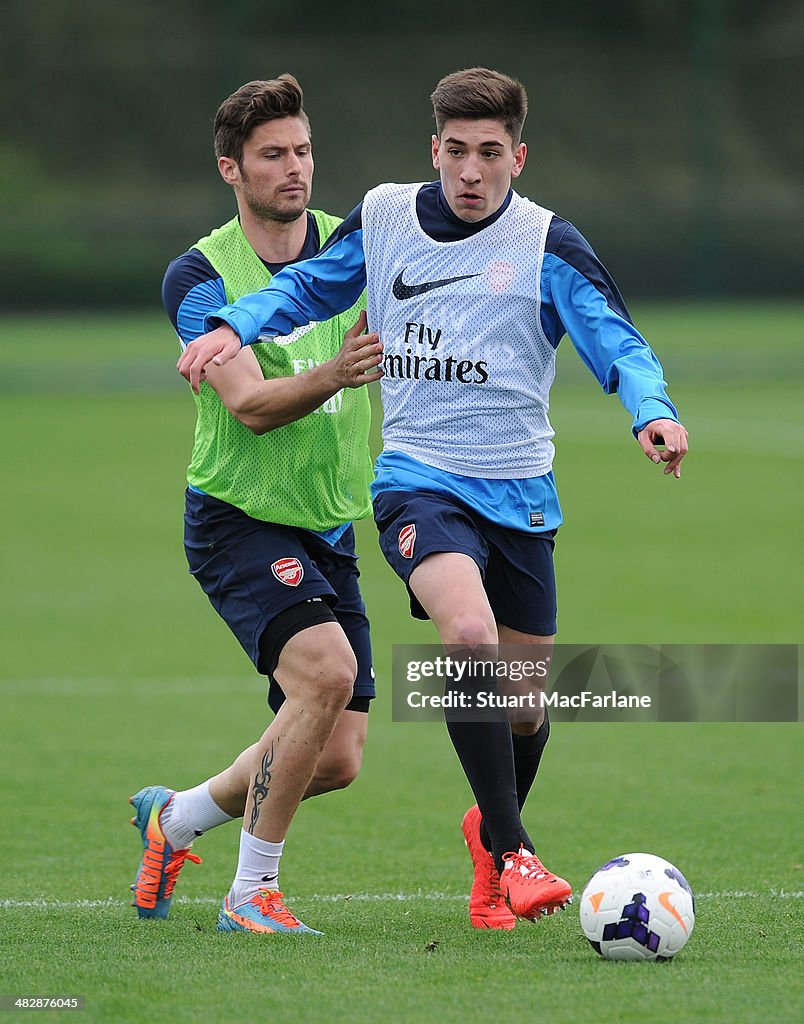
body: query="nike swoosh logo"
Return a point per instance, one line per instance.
(664, 899)
(596, 899)
(407, 291)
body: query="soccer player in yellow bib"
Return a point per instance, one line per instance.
(280, 468)
(471, 287)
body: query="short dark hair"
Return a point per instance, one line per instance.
(253, 104)
(477, 93)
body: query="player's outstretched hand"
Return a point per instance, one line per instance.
(358, 360)
(674, 438)
(219, 346)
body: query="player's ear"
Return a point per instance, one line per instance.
(229, 170)
(520, 153)
(436, 144)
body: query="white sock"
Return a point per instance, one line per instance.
(257, 868)
(189, 814)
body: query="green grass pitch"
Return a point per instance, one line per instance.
(116, 673)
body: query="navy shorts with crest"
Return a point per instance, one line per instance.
(516, 567)
(252, 571)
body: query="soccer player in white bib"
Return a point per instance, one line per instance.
(470, 288)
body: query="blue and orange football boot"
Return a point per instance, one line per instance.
(160, 865)
(487, 906)
(532, 890)
(264, 913)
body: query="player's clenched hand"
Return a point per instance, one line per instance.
(219, 346)
(674, 438)
(357, 362)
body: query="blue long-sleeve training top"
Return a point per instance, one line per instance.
(577, 297)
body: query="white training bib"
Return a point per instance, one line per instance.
(468, 368)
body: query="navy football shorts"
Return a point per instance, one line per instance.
(516, 567)
(252, 571)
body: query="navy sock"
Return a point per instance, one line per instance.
(527, 751)
(486, 752)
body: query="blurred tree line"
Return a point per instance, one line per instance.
(666, 131)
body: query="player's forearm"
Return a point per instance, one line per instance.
(639, 382)
(273, 403)
(313, 290)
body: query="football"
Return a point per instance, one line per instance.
(637, 907)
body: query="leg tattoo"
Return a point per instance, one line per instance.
(259, 791)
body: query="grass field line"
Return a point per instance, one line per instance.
(362, 897)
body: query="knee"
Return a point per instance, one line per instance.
(330, 678)
(339, 774)
(335, 771)
(334, 681)
(526, 727)
(469, 630)
(318, 666)
(529, 723)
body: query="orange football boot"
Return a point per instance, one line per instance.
(487, 906)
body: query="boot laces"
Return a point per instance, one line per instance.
(174, 866)
(495, 892)
(526, 864)
(269, 902)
